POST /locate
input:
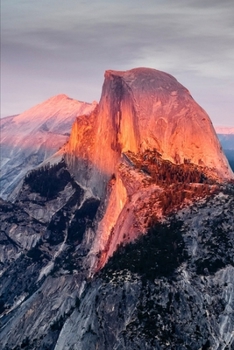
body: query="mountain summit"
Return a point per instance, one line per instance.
(31, 137)
(128, 241)
(143, 109)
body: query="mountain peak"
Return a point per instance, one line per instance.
(33, 136)
(59, 97)
(143, 164)
(147, 79)
(140, 111)
(143, 109)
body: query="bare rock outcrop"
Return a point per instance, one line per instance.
(142, 109)
(128, 242)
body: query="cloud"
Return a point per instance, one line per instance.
(73, 42)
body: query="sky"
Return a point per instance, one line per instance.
(50, 47)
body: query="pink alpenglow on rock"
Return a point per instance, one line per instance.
(140, 109)
(143, 109)
(33, 136)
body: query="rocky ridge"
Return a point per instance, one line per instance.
(171, 288)
(132, 251)
(142, 109)
(30, 138)
(139, 110)
(171, 296)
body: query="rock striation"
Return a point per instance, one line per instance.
(127, 242)
(140, 109)
(172, 288)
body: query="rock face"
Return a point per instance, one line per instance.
(171, 289)
(142, 109)
(32, 137)
(127, 243)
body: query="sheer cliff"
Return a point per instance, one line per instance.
(127, 242)
(141, 109)
(170, 289)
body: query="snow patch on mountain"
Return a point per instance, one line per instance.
(226, 137)
(224, 130)
(30, 138)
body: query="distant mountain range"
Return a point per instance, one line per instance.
(224, 130)
(226, 138)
